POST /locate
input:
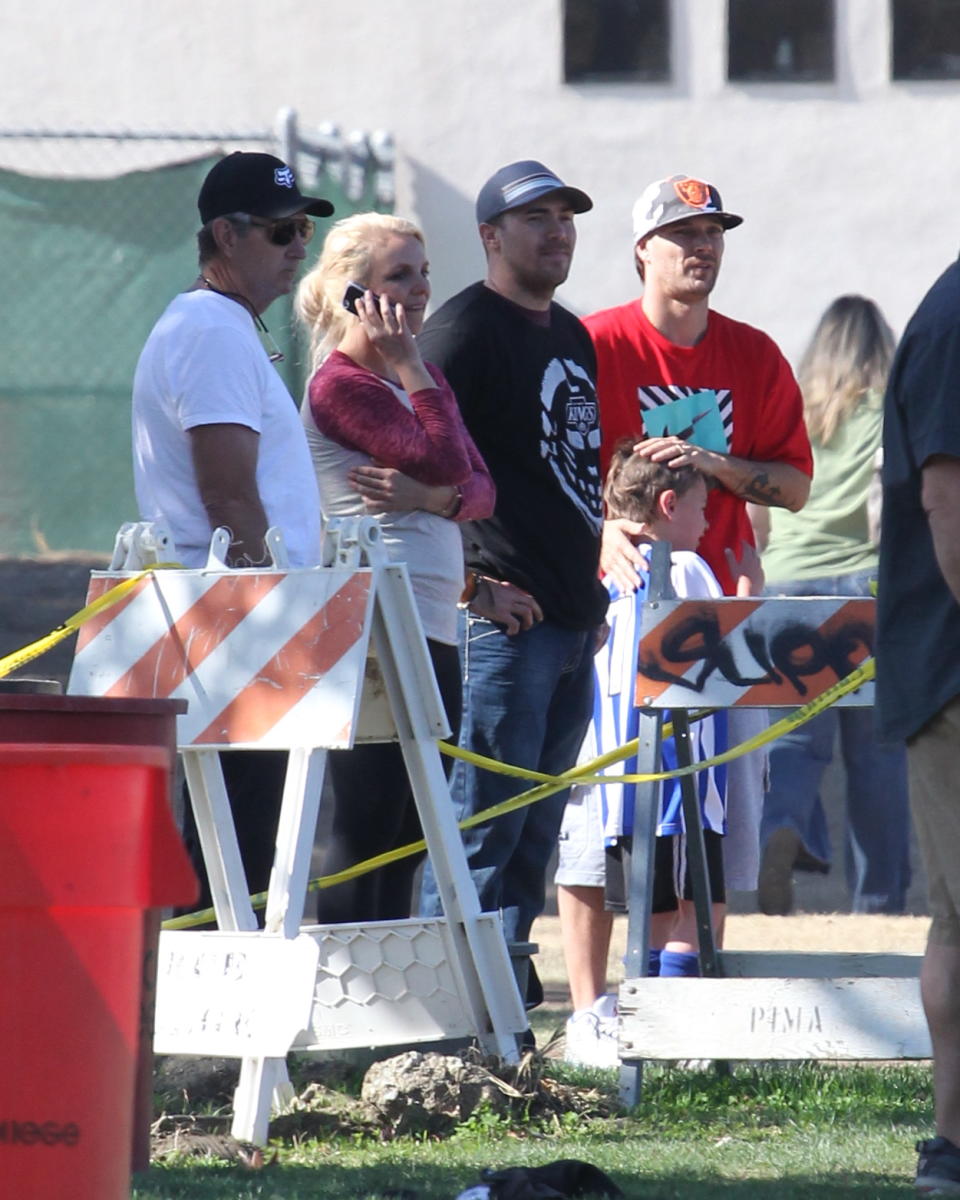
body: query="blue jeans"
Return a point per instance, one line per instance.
(527, 701)
(877, 843)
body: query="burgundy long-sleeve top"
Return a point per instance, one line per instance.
(357, 409)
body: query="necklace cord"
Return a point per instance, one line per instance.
(275, 354)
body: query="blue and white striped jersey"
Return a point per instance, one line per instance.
(616, 719)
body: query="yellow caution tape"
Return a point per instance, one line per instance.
(548, 784)
(582, 774)
(585, 773)
(20, 658)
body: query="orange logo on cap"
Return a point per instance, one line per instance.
(693, 192)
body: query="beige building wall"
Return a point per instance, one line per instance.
(847, 187)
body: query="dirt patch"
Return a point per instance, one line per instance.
(828, 931)
(427, 1094)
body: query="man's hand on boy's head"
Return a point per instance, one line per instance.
(619, 556)
(747, 571)
(673, 451)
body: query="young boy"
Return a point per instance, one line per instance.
(595, 838)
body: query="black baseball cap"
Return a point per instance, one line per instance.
(519, 183)
(259, 184)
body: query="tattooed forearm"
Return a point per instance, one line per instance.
(770, 484)
(760, 489)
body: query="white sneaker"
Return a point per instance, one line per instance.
(592, 1035)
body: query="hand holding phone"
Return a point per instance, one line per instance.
(385, 327)
(353, 294)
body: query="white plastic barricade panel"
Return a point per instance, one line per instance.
(270, 659)
(391, 983)
(753, 652)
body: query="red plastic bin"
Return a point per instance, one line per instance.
(87, 843)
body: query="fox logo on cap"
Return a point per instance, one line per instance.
(693, 192)
(283, 177)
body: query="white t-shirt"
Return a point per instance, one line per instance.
(203, 365)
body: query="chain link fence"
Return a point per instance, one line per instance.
(97, 233)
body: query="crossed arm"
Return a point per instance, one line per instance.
(386, 489)
(421, 459)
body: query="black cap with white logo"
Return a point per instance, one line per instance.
(259, 184)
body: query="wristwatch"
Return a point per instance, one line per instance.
(471, 585)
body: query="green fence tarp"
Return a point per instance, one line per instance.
(89, 266)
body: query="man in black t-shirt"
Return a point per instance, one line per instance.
(523, 371)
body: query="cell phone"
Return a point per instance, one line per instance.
(354, 292)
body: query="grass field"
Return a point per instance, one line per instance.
(762, 1132)
(795, 1130)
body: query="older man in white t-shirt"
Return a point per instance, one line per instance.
(217, 438)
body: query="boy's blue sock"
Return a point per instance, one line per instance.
(673, 965)
(653, 963)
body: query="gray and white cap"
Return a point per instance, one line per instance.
(675, 199)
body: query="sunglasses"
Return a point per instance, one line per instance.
(283, 231)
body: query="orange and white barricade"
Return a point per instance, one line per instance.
(304, 660)
(752, 653)
(742, 653)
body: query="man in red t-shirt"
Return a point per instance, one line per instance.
(692, 385)
(689, 386)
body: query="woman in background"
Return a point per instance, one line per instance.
(829, 548)
(387, 440)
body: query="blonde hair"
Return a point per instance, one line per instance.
(848, 356)
(344, 258)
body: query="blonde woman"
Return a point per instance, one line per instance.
(828, 549)
(387, 439)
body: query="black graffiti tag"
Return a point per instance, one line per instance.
(798, 650)
(794, 652)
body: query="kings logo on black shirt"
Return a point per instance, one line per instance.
(570, 441)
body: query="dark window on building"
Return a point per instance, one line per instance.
(616, 39)
(780, 41)
(926, 39)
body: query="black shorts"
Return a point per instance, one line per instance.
(669, 861)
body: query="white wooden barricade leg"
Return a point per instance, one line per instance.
(264, 1078)
(218, 839)
(295, 837)
(214, 991)
(763, 1006)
